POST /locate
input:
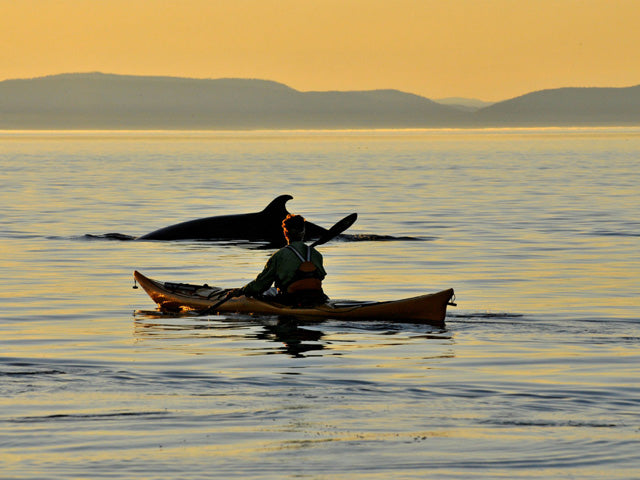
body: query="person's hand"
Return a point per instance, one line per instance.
(235, 292)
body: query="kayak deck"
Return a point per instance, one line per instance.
(429, 309)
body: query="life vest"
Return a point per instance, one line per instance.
(306, 277)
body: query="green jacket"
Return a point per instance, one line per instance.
(281, 268)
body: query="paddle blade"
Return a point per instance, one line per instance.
(337, 229)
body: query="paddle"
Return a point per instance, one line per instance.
(333, 232)
(214, 307)
(336, 230)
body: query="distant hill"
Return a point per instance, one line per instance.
(466, 104)
(567, 106)
(101, 101)
(105, 101)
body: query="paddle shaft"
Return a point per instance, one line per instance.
(330, 234)
(214, 307)
(336, 230)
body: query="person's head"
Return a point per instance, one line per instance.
(293, 227)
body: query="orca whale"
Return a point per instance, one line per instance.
(265, 226)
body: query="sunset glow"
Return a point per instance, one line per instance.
(491, 50)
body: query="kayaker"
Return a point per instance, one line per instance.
(296, 270)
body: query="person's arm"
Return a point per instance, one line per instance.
(263, 281)
(316, 256)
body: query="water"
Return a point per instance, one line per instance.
(534, 376)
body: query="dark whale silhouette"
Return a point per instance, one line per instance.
(263, 226)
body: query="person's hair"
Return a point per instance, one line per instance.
(293, 227)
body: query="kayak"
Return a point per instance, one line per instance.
(175, 297)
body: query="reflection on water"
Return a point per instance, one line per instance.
(292, 336)
(295, 339)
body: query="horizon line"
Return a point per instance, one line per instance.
(244, 132)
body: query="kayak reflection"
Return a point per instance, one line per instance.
(185, 330)
(247, 336)
(294, 337)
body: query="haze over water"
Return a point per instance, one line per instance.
(534, 376)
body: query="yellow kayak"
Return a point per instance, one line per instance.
(430, 309)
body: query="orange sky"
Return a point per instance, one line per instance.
(487, 49)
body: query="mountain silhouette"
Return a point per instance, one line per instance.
(106, 101)
(567, 106)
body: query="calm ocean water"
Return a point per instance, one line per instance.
(536, 374)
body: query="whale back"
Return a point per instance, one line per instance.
(265, 225)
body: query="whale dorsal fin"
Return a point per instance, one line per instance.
(278, 206)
